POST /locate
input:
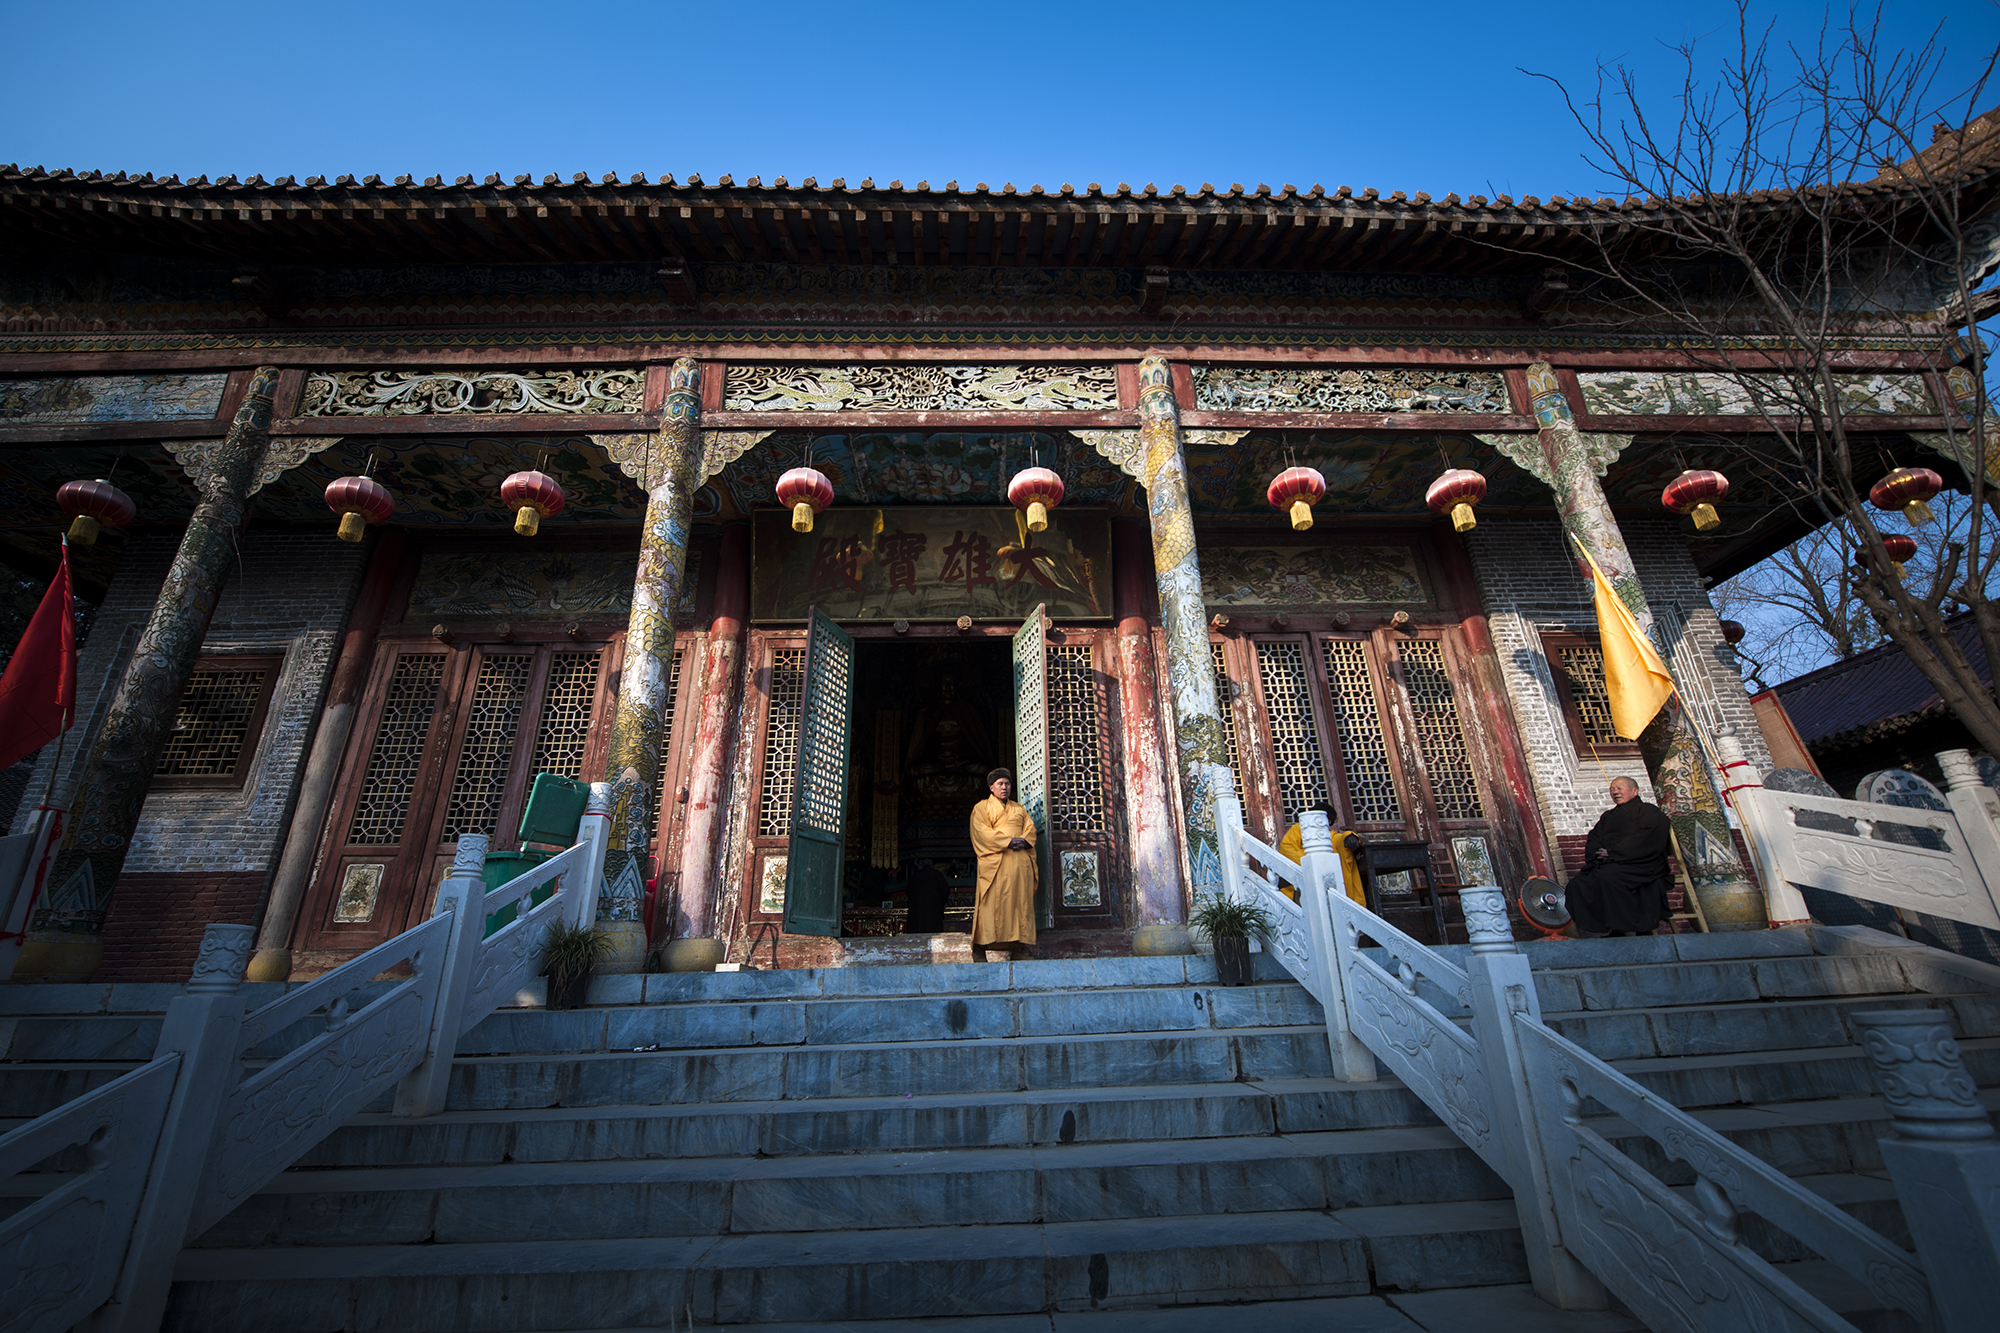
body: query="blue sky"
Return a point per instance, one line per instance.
(1411, 96)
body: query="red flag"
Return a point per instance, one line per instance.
(38, 691)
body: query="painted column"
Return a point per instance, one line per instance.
(1681, 777)
(1156, 880)
(672, 472)
(693, 948)
(1203, 752)
(273, 959)
(65, 941)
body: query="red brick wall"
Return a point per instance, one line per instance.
(156, 920)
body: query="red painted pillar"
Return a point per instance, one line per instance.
(273, 959)
(715, 727)
(1149, 823)
(1522, 811)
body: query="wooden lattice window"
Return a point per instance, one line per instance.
(493, 720)
(781, 742)
(390, 779)
(1357, 720)
(1225, 707)
(1577, 666)
(666, 733)
(1076, 754)
(1294, 729)
(1440, 731)
(567, 704)
(216, 726)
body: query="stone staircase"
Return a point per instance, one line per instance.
(1045, 1139)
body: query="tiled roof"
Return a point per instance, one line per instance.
(1873, 693)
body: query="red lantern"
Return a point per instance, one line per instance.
(1297, 490)
(1899, 547)
(1695, 492)
(1733, 631)
(93, 506)
(533, 496)
(807, 491)
(1037, 490)
(1455, 493)
(359, 501)
(1907, 488)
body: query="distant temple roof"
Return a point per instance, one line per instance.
(520, 220)
(1872, 694)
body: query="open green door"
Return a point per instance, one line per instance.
(1031, 751)
(819, 796)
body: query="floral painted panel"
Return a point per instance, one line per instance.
(413, 393)
(1378, 473)
(529, 583)
(916, 468)
(62, 400)
(1305, 578)
(1317, 389)
(919, 388)
(1695, 394)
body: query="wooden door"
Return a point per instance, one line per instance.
(816, 855)
(446, 743)
(1374, 724)
(1031, 749)
(1084, 854)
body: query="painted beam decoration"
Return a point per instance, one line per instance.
(423, 393)
(76, 400)
(1621, 393)
(930, 564)
(1312, 578)
(919, 388)
(1317, 389)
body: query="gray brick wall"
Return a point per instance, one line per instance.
(290, 595)
(1530, 586)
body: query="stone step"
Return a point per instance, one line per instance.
(1755, 1077)
(1074, 1182)
(988, 1064)
(1133, 1263)
(1766, 1025)
(913, 1122)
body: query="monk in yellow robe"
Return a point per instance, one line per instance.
(1003, 912)
(1293, 845)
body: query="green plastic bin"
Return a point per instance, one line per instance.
(503, 866)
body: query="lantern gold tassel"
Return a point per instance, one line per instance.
(353, 527)
(1038, 517)
(802, 517)
(1705, 517)
(83, 531)
(1463, 519)
(1918, 513)
(527, 521)
(1302, 515)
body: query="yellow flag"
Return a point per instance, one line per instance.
(1634, 676)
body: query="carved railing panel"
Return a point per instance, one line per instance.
(1820, 853)
(62, 1252)
(329, 988)
(1680, 1264)
(511, 956)
(1290, 940)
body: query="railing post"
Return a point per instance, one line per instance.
(203, 1025)
(1945, 1159)
(1502, 987)
(1784, 905)
(596, 831)
(1977, 808)
(1352, 1061)
(422, 1091)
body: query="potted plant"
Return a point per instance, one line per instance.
(569, 957)
(1231, 924)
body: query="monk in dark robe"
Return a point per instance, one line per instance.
(1622, 889)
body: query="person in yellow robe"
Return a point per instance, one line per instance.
(1003, 912)
(1293, 845)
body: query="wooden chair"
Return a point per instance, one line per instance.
(1378, 858)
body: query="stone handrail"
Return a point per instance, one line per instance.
(1838, 848)
(173, 1146)
(1592, 1218)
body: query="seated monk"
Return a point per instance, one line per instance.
(1293, 845)
(1622, 888)
(1003, 912)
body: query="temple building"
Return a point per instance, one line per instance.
(793, 510)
